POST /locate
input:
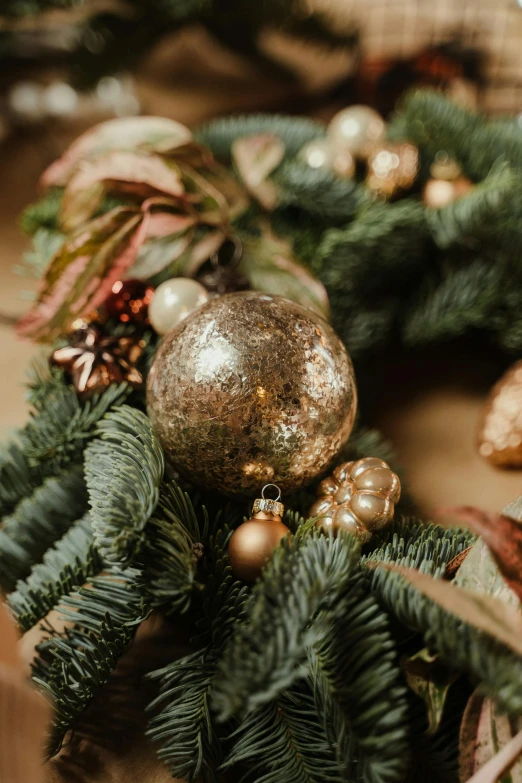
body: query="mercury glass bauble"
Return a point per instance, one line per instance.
(173, 300)
(356, 129)
(251, 389)
(321, 154)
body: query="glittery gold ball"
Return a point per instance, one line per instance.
(392, 167)
(500, 437)
(252, 543)
(358, 498)
(251, 389)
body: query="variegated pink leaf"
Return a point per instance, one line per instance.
(131, 172)
(83, 271)
(270, 266)
(489, 744)
(255, 158)
(153, 134)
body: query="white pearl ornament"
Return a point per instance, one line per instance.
(173, 300)
(356, 129)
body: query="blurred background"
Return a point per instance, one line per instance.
(67, 65)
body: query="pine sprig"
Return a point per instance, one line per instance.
(61, 426)
(221, 133)
(355, 676)
(479, 213)
(183, 723)
(123, 469)
(65, 567)
(72, 665)
(462, 299)
(169, 556)
(37, 522)
(319, 193)
(285, 741)
(293, 598)
(413, 543)
(16, 477)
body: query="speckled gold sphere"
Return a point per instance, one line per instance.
(251, 389)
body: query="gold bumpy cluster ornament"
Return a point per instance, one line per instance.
(358, 498)
(253, 542)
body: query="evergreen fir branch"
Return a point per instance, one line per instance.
(169, 557)
(42, 213)
(16, 477)
(285, 741)
(123, 469)
(479, 212)
(74, 664)
(379, 251)
(43, 380)
(294, 598)
(465, 298)
(220, 134)
(355, 676)
(183, 723)
(45, 244)
(434, 123)
(58, 431)
(496, 669)
(318, 192)
(412, 543)
(65, 567)
(37, 522)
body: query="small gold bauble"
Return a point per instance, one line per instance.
(500, 437)
(447, 183)
(392, 167)
(356, 129)
(321, 154)
(251, 389)
(439, 193)
(358, 498)
(253, 542)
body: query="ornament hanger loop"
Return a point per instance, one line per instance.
(220, 259)
(275, 487)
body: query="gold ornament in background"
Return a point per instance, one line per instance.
(253, 542)
(358, 498)
(392, 167)
(251, 389)
(447, 183)
(500, 436)
(321, 154)
(357, 130)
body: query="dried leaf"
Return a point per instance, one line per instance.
(503, 535)
(83, 271)
(152, 134)
(430, 679)
(480, 574)
(133, 172)
(489, 744)
(491, 615)
(255, 158)
(268, 264)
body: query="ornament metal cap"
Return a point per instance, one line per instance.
(269, 505)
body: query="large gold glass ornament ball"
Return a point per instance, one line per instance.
(251, 389)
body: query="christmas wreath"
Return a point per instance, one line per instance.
(346, 640)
